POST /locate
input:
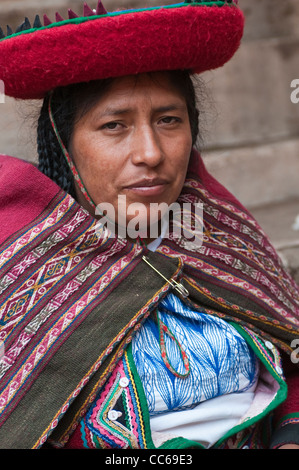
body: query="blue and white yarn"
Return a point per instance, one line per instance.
(221, 362)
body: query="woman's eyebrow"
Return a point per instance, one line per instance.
(171, 107)
(111, 111)
(114, 111)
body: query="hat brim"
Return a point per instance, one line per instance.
(195, 37)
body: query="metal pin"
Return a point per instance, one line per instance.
(176, 285)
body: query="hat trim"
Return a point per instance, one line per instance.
(81, 20)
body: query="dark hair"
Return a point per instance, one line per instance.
(71, 103)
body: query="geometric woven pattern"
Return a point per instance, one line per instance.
(60, 280)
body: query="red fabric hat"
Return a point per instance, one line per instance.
(192, 36)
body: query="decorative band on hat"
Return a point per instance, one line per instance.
(87, 12)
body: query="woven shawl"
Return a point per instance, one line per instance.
(72, 297)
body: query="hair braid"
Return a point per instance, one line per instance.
(51, 159)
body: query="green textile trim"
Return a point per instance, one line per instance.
(181, 443)
(141, 397)
(80, 20)
(280, 395)
(257, 351)
(175, 443)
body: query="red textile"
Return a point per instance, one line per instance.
(20, 203)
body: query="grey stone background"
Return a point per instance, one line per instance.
(251, 129)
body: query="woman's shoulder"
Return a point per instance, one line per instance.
(10, 160)
(13, 169)
(18, 174)
(24, 194)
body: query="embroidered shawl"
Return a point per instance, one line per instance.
(71, 298)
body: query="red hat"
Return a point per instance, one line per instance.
(194, 36)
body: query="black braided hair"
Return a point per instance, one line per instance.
(70, 104)
(52, 162)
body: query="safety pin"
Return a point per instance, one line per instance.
(176, 285)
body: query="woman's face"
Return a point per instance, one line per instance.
(133, 147)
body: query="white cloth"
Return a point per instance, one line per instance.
(207, 422)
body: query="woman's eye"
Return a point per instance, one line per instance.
(170, 120)
(111, 126)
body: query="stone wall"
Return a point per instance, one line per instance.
(254, 147)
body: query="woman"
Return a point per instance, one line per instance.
(135, 341)
(99, 130)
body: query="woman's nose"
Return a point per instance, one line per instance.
(146, 148)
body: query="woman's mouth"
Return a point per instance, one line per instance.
(148, 186)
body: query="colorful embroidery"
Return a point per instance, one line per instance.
(115, 419)
(32, 297)
(289, 419)
(267, 350)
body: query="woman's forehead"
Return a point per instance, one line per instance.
(126, 91)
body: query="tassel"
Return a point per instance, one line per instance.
(87, 11)
(24, 26)
(58, 17)
(37, 22)
(72, 14)
(19, 28)
(27, 23)
(47, 21)
(100, 9)
(9, 31)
